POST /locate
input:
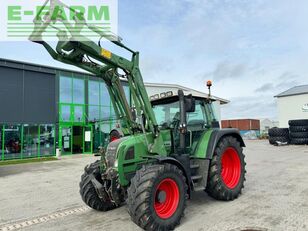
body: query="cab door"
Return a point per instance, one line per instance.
(197, 124)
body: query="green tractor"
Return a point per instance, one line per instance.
(165, 149)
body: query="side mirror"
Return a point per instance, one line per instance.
(190, 104)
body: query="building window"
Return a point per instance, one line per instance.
(47, 140)
(12, 142)
(1, 143)
(65, 113)
(72, 90)
(113, 115)
(105, 113)
(93, 113)
(94, 92)
(31, 141)
(78, 91)
(127, 93)
(65, 90)
(78, 114)
(104, 95)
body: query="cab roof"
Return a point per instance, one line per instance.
(165, 98)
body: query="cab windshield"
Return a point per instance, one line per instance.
(168, 114)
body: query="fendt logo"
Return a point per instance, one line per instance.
(21, 19)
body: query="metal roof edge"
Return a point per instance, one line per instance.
(283, 94)
(294, 94)
(41, 66)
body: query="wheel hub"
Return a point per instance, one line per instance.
(161, 196)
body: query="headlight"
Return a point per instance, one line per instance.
(116, 163)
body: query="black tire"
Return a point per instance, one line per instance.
(88, 192)
(298, 122)
(299, 141)
(217, 186)
(274, 132)
(299, 135)
(142, 196)
(298, 129)
(283, 139)
(270, 140)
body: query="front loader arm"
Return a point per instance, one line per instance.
(76, 49)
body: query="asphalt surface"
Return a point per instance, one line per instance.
(45, 196)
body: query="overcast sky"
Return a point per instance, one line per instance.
(252, 50)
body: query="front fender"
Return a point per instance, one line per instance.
(174, 161)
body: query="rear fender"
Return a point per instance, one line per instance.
(219, 134)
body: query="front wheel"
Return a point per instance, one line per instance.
(88, 192)
(157, 197)
(227, 170)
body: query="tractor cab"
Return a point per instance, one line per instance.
(199, 118)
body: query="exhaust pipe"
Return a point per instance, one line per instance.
(183, 122)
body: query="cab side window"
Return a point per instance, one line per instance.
(198, 117)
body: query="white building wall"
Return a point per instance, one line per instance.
(266, 124)
(291, 108)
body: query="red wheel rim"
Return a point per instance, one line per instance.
(231, 168)
(167, 197)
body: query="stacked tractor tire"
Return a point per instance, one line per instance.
(298, 132)
(278, 135)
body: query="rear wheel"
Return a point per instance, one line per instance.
(227, 170)
(88, 192)
(157, 197)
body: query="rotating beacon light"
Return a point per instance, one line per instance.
(209, 85)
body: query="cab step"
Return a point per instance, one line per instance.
(196, 178)
(194, 166)
(199, 188)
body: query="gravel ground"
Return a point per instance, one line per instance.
(275, 196)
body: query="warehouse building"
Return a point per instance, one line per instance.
(292, 104)
(44, 108)
(249, 128)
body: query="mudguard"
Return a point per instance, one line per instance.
(180, 164)
(217, 135)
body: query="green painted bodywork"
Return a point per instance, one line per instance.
(142, 156)
(127, 167)
(202, 146)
